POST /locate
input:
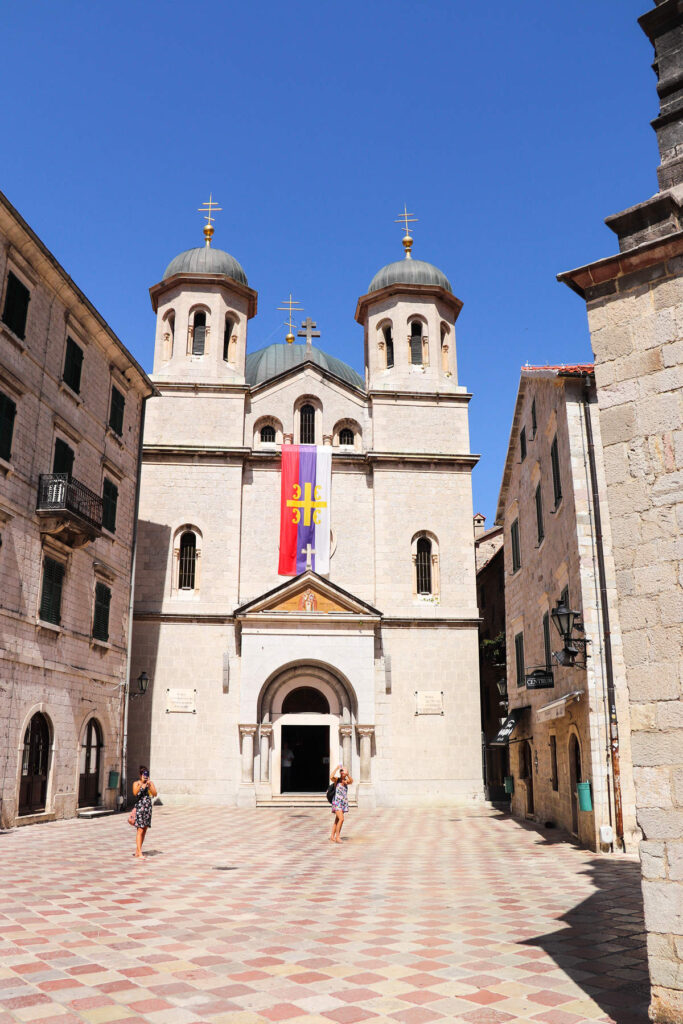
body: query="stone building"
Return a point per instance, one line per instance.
(490, 566)
(635, 315)
(558, 551)
(71, 401)
(258, 681)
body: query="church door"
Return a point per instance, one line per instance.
(305, 758)
(89, 780)
(34, 766)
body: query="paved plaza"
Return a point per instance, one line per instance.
(252, 916)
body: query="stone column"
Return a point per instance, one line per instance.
(247, 733)
(366, 732)
(266, 734)
(345, 741)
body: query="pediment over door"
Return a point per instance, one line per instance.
(305, 596)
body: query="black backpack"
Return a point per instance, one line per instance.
(331, 790)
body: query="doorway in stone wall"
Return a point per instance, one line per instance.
(575, 776)
(305, 758)
(35, 763)
(90, 765)
(528, 776)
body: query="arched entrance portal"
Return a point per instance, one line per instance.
(305, 721)
(35, 764)
(91, 753)
(575, 776)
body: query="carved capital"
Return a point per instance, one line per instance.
(345, 730)
(365, 730)
(248, 730)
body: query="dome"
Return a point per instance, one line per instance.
(268, 362)
(205, 260)
(409, 271)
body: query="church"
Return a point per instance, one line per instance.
(287, 621)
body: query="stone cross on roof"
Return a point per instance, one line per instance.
(308, 332)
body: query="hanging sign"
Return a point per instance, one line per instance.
(540, 679)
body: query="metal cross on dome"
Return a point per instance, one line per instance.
(208, 208)
(406, 219)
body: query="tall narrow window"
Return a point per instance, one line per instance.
(307, 425)
(346, 437)
(51, 594)
(198, 333)
(564, 597)
(110, 498)
(15, 312)
(514, 542)
(522, 444)
(519, 658)
(416, 343)
(188, 561)
(424, 566)
(389, 344)
(555, 462)
(553, 763)
(533, 418)
(116, 410)
(8, 411)
(539, 514)
(227, 335)
(546, 642)
(100, 619)
(63, 461)
(268, 434)
(73, 362)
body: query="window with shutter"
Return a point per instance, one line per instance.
(539, 514)
(8, 411)
(555, 462)
(519, 658)
(198, 334)
(389, 343)
(307, 425)
(522, 444)
(516, 551)
(63, 461)
(416, 343)
(73, 361)
(227, 335)
(118, 404)
(51, 594)
(100, 621)
(533, 419)
(110, 497)
(15, 312)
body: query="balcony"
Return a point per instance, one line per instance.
(68, 510)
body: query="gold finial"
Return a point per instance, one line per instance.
(207, 209)
(290, 306)
(406, 218)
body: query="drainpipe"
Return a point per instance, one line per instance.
(126, 686)
(606, 634)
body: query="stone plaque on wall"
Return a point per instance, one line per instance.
(429, 702)
(182, 701)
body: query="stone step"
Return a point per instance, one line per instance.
(297, 800)
(95, 812)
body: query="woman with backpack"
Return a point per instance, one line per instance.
(340, 802)
(144, 791)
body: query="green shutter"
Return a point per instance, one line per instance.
(8, 411)
(73, 361)
(17, 298)
(118, 403)
(64, 457)
(555, 462)
(51, 597)
(100, 622)
(110, 497)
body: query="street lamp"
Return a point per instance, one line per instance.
(143, 683)
(564, 619)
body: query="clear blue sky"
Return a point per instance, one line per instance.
(511, 129)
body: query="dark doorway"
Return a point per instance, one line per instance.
(575, 776)
(305, 758)
(34, 766)
(89, 781)
(528, 776)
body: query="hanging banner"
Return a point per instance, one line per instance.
(305, 509)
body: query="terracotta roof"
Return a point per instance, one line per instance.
(574, 369)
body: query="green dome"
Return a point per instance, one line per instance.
(268, 362)
(409, 271)
(205, 260)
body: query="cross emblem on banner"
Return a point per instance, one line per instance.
(308, 332)
(308, 551)
(309, 504)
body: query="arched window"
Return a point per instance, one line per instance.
(389, 343)
(198, 333)
(423, 565)
(268, 434)
(305, 699)
(227, 335)
(416, 343)
(168, 334)
(444, 348)
(35, 763)
(346, 436)
(307, 424)
(187, 563)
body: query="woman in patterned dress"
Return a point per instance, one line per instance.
(143, 791)
(340, 804)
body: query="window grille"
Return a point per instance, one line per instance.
(546, 642)
(555, 462)
(199, 334)
(516, 551)
(188, 561)
(553, 763)
(389, 343)
(268, 434)
(110, 497)
(519, 658)
(8, 411)
(118, 404)
(51, 595)
(63, 461)
(416, 343)
(423, 564)
(539, 514)
(346, 436)
(522, 444)
(307, 425)
(227, 335)
(15, 312)
(100, 619)
(533, 418)
(73, 362)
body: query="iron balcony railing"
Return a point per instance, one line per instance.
(58, 492)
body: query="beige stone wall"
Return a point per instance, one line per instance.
(637, 337)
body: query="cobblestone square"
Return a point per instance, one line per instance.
(252, 917)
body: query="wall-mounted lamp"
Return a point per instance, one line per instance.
(565, 622)
(143, 683)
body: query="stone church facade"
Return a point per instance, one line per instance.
(259, 682)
